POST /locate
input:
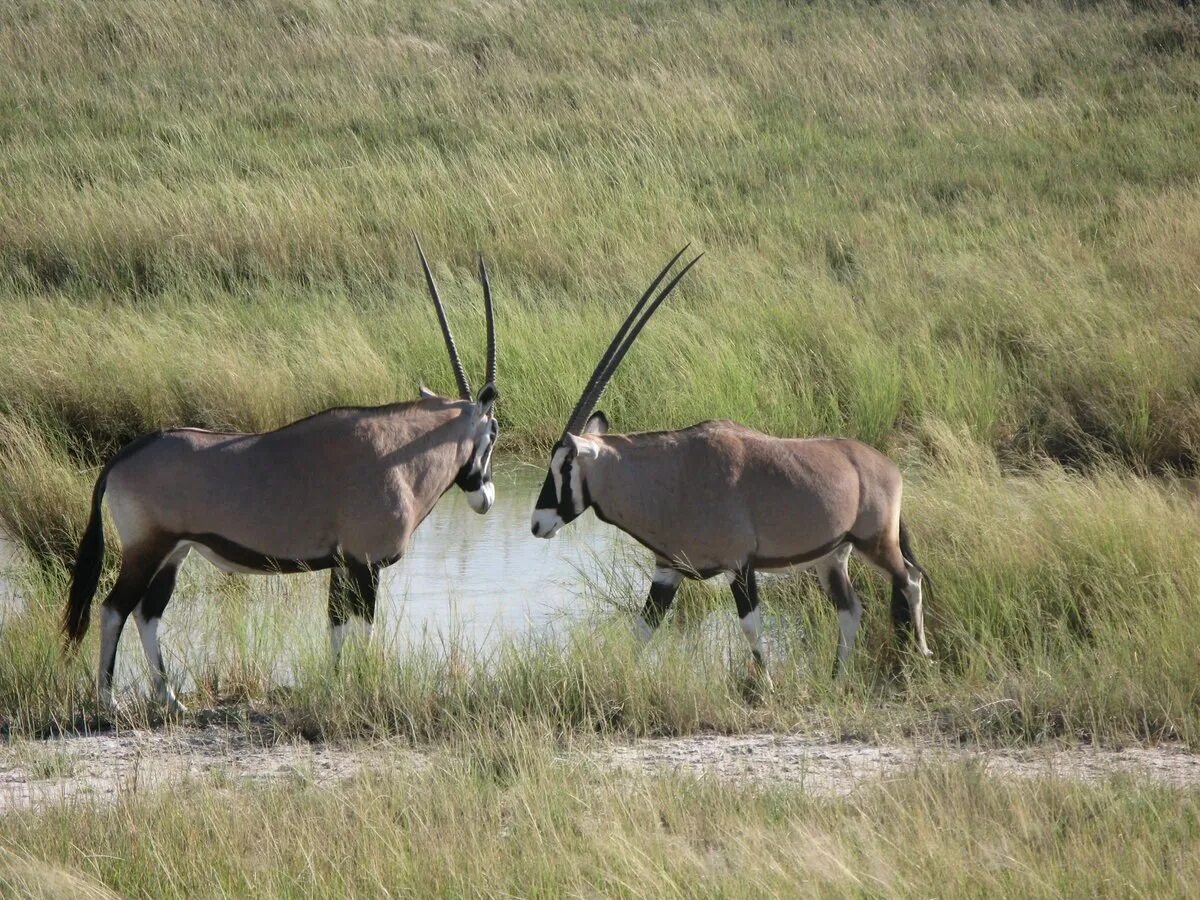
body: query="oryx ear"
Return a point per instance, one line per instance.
(426, 393)
(597, 423)
(488, 395)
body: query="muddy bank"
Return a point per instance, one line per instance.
(101, 767)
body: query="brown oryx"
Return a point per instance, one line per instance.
(721, 498)
(343, 490)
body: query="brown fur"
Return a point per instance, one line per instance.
(356, 482)
(718, 496)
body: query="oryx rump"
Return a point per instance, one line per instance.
(343, 489)
(719, 497)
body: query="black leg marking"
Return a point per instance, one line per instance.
(745, 595)
(901, 612)
(132, 584)
(745, 591)
(353, 589)
(835, 579)
(339, 601)
(148, 615)
(158, 594)
(662, 593)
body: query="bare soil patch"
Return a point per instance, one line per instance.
(827, 766)
(101, 767)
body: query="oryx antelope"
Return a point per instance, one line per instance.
(721, 498)
(343, 489)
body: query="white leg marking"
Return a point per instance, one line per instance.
(110, 633)
(148, 631)
(752, 628)
(836, 565)
(339, 633)
(641, 629)
(848, 627)
(913, 594)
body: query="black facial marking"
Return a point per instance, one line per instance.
(566, 500)
(547, 499)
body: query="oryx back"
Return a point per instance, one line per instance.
(351, 482)
(711, 497)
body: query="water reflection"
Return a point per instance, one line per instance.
(485, 576)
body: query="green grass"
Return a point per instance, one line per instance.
(969, 215)
(962, 232)
(518, 817)
(1067, 612)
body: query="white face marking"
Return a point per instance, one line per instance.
(556, 464)
(481, 500)
(546, 523)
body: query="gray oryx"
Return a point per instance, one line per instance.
(343, 490)
(721, 498)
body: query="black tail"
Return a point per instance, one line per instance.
(89, 561)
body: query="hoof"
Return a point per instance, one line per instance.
(173, 707)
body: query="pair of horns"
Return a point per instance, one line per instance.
(460, 374)
(621, 343)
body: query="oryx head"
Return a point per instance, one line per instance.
(564, 494)
(475, 477)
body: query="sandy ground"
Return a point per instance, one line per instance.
(102, 767)
(837, 767)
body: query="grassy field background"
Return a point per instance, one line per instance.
(516, 818)
(963, 232)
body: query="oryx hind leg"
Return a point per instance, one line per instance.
(139, 565)
(148, 615)
(833, 571)
(907, 598)
(353, 590)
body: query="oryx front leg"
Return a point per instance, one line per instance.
(352, 594)
(833, 571)
(745, 594)
(663, 588)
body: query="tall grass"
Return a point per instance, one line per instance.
(1063, 608)
(517, 817)
(974, 214)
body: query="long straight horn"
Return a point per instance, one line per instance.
(464, 386)
(598, 388)
(579, 414)
(490, 315)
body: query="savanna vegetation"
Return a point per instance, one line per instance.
(517, 818)
(963, 232)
